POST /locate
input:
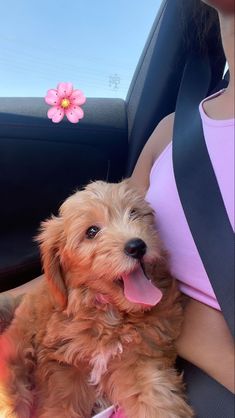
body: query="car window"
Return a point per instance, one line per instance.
(93, 44)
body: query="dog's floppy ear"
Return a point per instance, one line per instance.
(51, 239)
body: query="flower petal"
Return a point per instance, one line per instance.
(64, 89)
(56, 113)
(74, 113)
(52, 97)
(51, 112)
(77, 97)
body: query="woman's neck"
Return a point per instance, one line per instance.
(227, 33)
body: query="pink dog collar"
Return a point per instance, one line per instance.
(118, 414)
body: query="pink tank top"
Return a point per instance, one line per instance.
(185, 262)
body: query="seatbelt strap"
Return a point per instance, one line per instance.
(198, 187)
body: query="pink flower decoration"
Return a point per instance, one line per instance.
(65, 101)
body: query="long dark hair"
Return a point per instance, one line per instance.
(206, 17)
(203, 23)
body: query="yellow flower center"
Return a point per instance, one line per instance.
(65, 103)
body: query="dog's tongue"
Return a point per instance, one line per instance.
(139, 289)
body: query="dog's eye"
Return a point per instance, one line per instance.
(92, 231)
(137, 214)
(133, 213)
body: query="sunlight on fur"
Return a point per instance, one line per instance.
(100, 328)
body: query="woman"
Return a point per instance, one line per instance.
(205, 340)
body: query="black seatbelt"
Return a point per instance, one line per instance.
(198, 188)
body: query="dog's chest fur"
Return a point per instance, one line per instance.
(92, 338)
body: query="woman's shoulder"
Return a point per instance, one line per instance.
(157, 142)
(162, 135)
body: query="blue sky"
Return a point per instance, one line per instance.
(95, 44)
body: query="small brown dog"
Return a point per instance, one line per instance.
(97, 330)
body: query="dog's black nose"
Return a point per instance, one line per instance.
(135, 248)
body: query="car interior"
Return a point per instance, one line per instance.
(41, 163)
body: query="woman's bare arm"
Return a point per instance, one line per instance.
(206, 342)
(156, 143)
(25, 288)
